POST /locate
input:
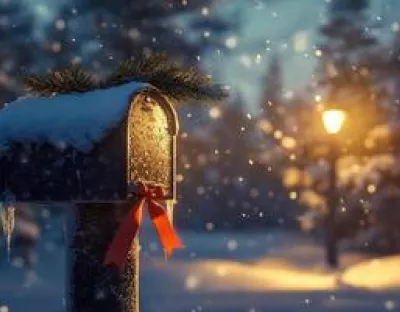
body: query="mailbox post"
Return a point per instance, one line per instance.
(93, 286)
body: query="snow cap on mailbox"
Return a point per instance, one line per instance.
(87, 146)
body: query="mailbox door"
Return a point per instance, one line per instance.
(151, 141)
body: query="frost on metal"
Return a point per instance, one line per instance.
(150, 157)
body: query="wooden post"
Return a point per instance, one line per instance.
(93, 287)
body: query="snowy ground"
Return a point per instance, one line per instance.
(227, 272)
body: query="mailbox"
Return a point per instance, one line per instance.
(87, 147)
(110, 149)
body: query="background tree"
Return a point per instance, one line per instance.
(62, 45)
(226, 185)
(104, 32)
(16, 29)
(347, 77)
(347, 68)
(272, 100)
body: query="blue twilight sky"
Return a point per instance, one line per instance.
(287, 27)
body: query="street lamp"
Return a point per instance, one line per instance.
(333, 120)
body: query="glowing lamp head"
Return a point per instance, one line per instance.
(333, 120)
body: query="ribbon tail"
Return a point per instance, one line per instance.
(119, 248)
(168, 236)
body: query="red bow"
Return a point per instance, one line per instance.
(153, 196)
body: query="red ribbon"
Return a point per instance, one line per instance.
(152, 196)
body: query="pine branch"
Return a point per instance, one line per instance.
(68, 80)
(157, 70)
(176, 82)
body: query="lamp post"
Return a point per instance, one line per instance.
(333, 120)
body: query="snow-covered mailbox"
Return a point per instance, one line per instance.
(88, 147)
(109, 148)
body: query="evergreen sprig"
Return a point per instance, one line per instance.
(157, 70)
(71, 79)
(176, 82)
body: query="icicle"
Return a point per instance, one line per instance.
(8, 222)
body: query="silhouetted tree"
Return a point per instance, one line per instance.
(16, 26)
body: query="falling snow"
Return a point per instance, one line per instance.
(251, 194)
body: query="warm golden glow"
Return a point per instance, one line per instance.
(291, 177)
(333, 120)
(288, 143)
(215, 113)
(371, 188)
(293, 195)
(278, 134)
(265, 126)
